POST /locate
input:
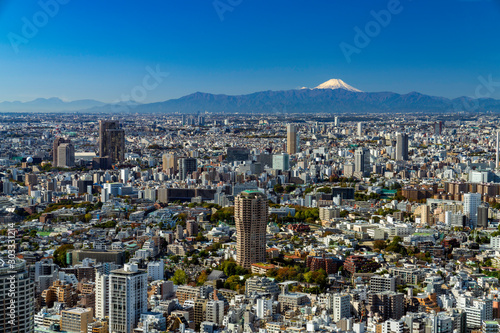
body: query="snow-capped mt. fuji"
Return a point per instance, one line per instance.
(337, 84)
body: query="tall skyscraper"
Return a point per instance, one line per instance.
(187, 165)
(17, 298)
(65, 155)
(362, 162)
(360, 129)
(250, 214)
(471, 203)
(58, 141)
(402, 147)
(291, 139)
(111, 140)
(482, 216)
(438, 127)
(336, 122)
(127, 298)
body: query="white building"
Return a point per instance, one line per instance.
(471, 202)
(101, 295)
(340, 305)
(156, 270)
(215, 312)
(127, 298)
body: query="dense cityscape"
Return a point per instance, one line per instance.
(149, 223)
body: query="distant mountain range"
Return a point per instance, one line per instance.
(331, 96)
(49, 105)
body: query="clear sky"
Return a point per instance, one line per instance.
(100, 49)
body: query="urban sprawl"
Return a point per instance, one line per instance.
(232, 223)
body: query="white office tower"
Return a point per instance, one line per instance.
(360, 129)
(124, 174)
(156, 270)
(264, 308)
(336, 122)
(471, 203)
(17, 294)
(340, 304)
(104, 195)
(101, 295)
(215, 312)
(127, 298)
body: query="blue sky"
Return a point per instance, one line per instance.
(100, 49)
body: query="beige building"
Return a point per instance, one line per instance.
(76, 319)
(291, 139)
(251, 214)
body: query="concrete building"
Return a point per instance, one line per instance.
(387, 304)
(186, 166)
(362, 162)
(250, 214)
(281, 162)
(402, 147)
(101, 295)
(379, 283)
(55, 146)
(76, 319)
(156, 270)
(127, 298)
(111, 140)
(215, 312)
(291, 139)
(471, 203)
(340, 304)
(359, 128)
(16, 288)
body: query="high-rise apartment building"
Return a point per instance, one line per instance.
(187, 165)
(362, 162)
(65, 155)
(471, 203)
(360, 129)
(291, 139)
(111, 140)
(438, 127)
(251, 214)
(101, 295)
(16, 298)
(127, 298)
(340, 304)
(55, 146)
(215, 311)
(380, 283)
(388, 304)
(402, 147)
(169, 162)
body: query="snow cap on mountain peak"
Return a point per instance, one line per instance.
(336, 84)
